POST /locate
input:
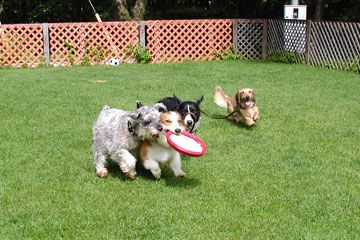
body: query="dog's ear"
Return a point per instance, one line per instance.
(138, 104)
(131, 127)
(177, 99)
(238, 97)
(201, 98)
(160, 107)
(135, 115)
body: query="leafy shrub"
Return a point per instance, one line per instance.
(282, 57)
(355, 64)
(228, 54)
(142, 55)
(71, 53)
(97, 54)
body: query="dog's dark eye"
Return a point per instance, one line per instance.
(147, 122)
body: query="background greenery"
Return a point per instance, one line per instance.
(294, 175)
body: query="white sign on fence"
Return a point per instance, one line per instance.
(295, 12)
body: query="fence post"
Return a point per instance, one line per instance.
(235, 36)
(46, 43)
(307, 50)
(142, 35)
(265, 39)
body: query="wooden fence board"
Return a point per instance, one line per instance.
(21, 45)
(180, 40)
(91, 43)
(320, 43)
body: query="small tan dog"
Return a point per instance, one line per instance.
(243, 103)
(157, 152)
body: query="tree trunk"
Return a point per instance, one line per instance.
(138, 10)
(121, 10)
(319, 10)
(1, 7)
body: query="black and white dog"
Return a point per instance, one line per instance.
(189, 110)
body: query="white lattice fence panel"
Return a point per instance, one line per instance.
(286, 36)
(94, 43)
(335, 45)
(249, 38)
(179, 40)
(21, 45)
(275, 36)
(295, 36)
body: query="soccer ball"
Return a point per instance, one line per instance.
(114, 61)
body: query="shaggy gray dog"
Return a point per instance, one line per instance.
(117, 134)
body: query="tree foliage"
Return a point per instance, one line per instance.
(30, 11)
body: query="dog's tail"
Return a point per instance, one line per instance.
(219, 97)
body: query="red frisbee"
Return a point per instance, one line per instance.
(186, 143)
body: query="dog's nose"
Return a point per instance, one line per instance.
(159, 128)
(189, 122)
(177, 130)
(247, 98)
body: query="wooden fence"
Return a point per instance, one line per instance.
(179, 40)
(330, 44)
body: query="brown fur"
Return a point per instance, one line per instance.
(102, 174)
(164, 119)
(243, 102)
(157, 152)
(144, 150)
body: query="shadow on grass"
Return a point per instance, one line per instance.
(168, 176)
(187, 182)
(241, 125)
(114, 170)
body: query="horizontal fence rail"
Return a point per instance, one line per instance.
(319, 43)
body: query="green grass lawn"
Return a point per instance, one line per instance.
(296, 175)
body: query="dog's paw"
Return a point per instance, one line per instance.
(130, 175)
(250, 123)
(102, 173)
(157, 176)
(156, 173)
(180, 174)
